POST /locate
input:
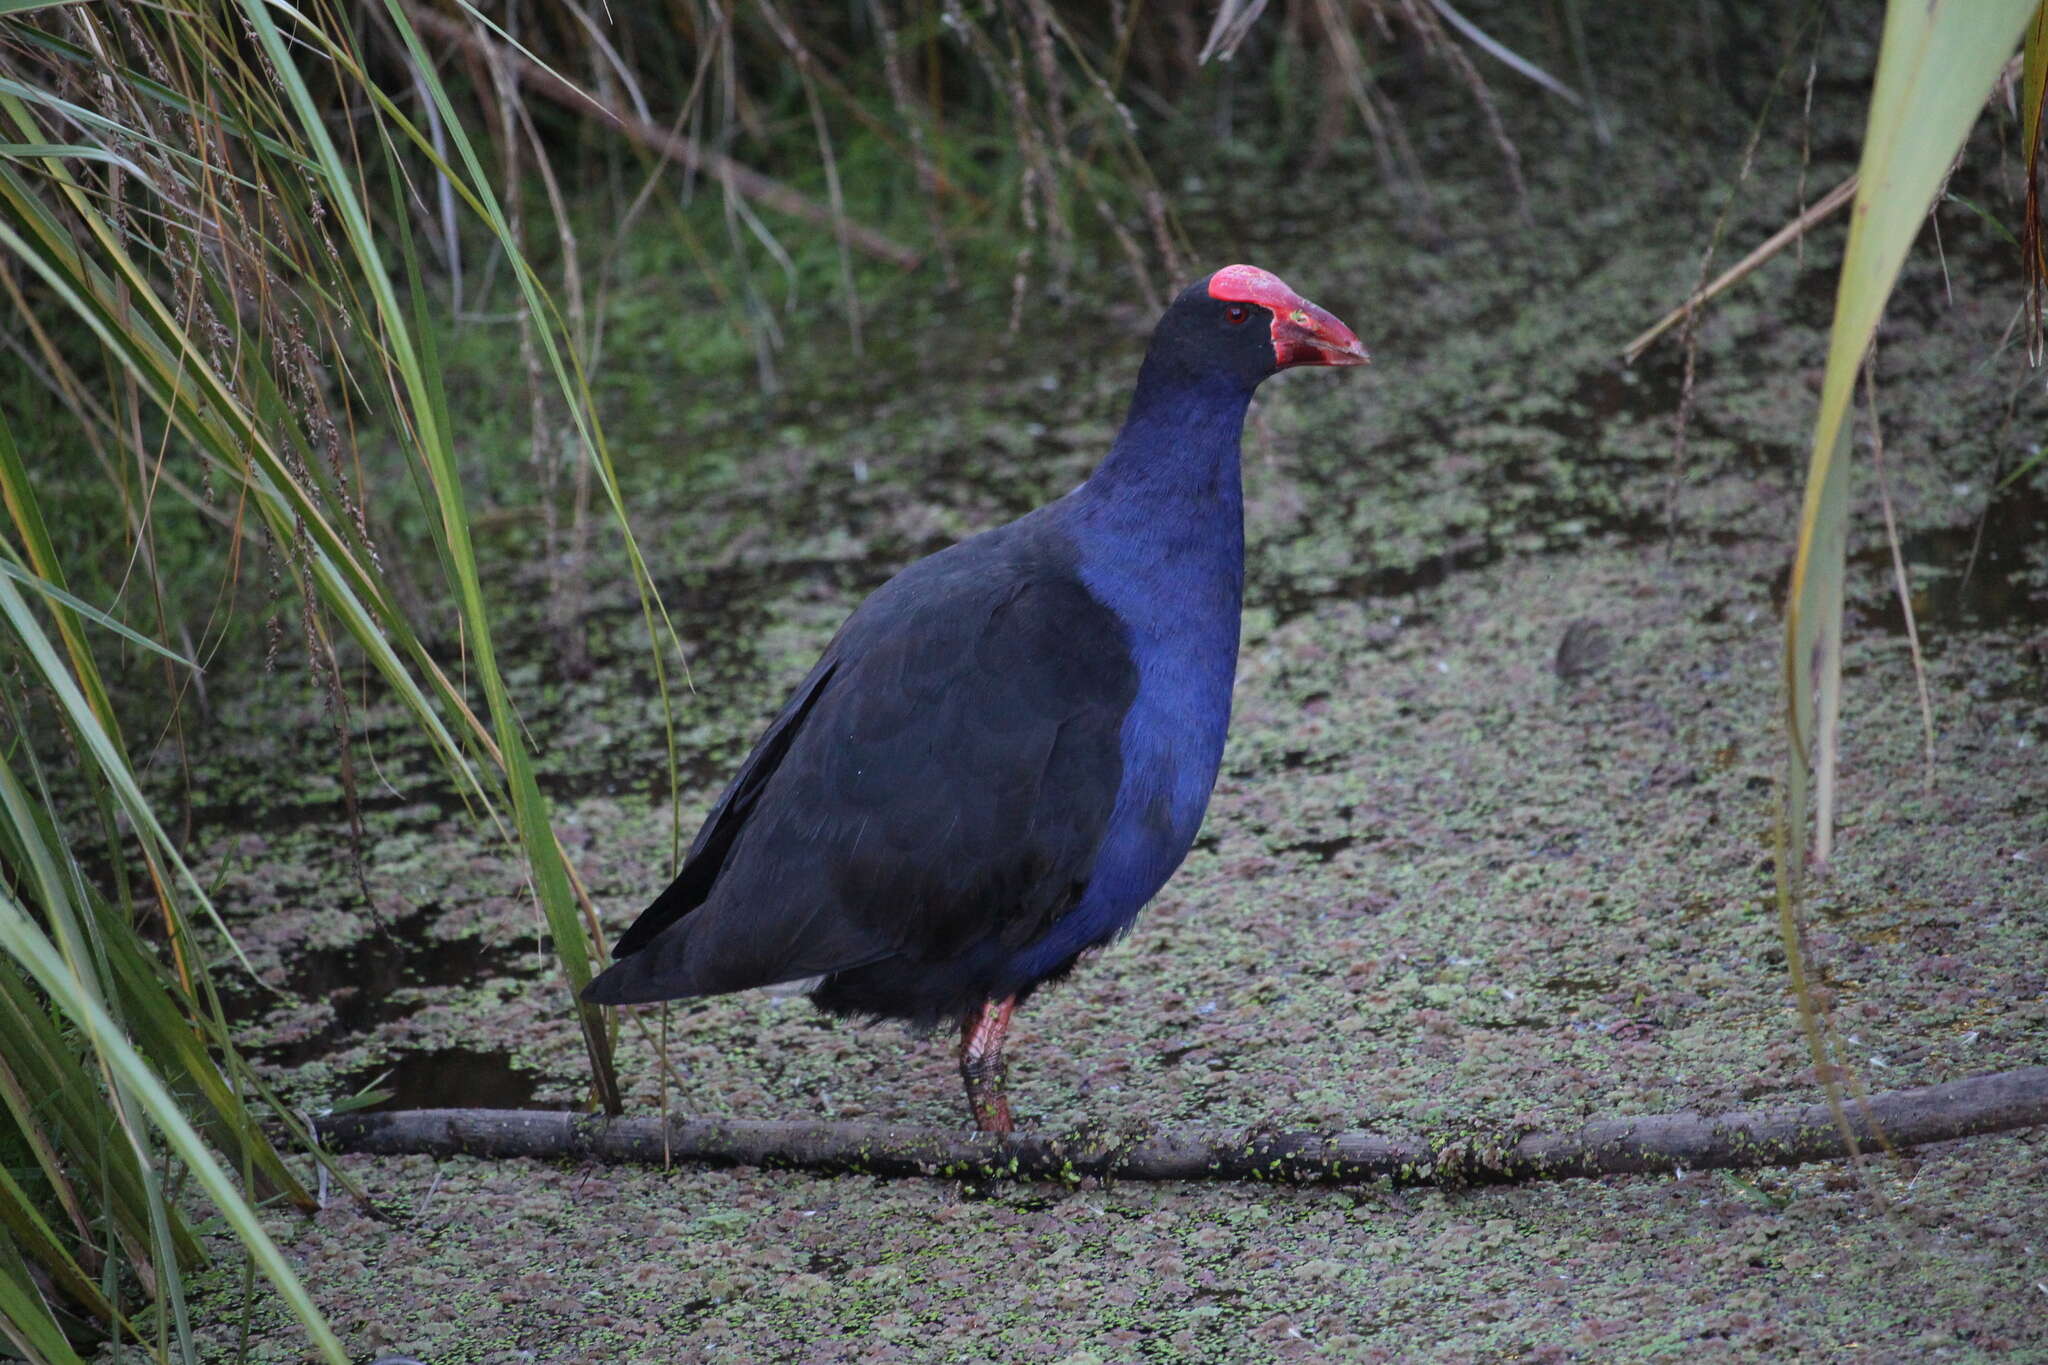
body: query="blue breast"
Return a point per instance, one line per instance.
(1175, 576)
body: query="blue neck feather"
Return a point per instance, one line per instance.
(1161, 523)
(1160, 530)
(1176, 460)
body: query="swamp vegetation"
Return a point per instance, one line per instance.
(418, 492)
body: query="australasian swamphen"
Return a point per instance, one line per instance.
(1007, 749)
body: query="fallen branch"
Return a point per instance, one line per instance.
(743, 180)
(1785, 1136)
(1777, 242)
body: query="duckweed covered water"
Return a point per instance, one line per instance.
(1491, 844)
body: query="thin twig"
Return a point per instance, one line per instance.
(744, 180)
(1891, 532)
(1507, 56)
(1777, 242)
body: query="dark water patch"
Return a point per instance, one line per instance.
(634, 768)
(641, 775)
(1515, 1023)
(359, 982)
(716, 613)
(1652, 387)
(258, 812)
(449, 1078)
(403, 954)
(1023, 1199)
(1972, 576)
(1649, 392)
(1321, 850)
(1212, 1060)
(1574, 986)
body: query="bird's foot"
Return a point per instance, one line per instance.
(982, 1066)
(991, 1109)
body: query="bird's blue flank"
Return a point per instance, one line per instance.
(1159, 531)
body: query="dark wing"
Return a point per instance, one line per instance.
(727, 818)
(944, 776)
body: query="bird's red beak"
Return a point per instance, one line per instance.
(1303, 334)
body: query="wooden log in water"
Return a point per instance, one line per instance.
(1659, 1143)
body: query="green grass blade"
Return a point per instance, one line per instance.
(25, 1322)
(2034, 84)
(1934, 73)
(26, 944)
(90, 612)
(2034, 233)
(26, 1225)
(55, 1108)
(159, 850)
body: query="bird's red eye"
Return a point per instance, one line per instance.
(1236, 313)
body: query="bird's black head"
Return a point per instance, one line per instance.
(1244, 324)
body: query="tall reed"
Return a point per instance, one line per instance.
(214, 281)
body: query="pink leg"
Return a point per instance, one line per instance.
(981, 1065)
